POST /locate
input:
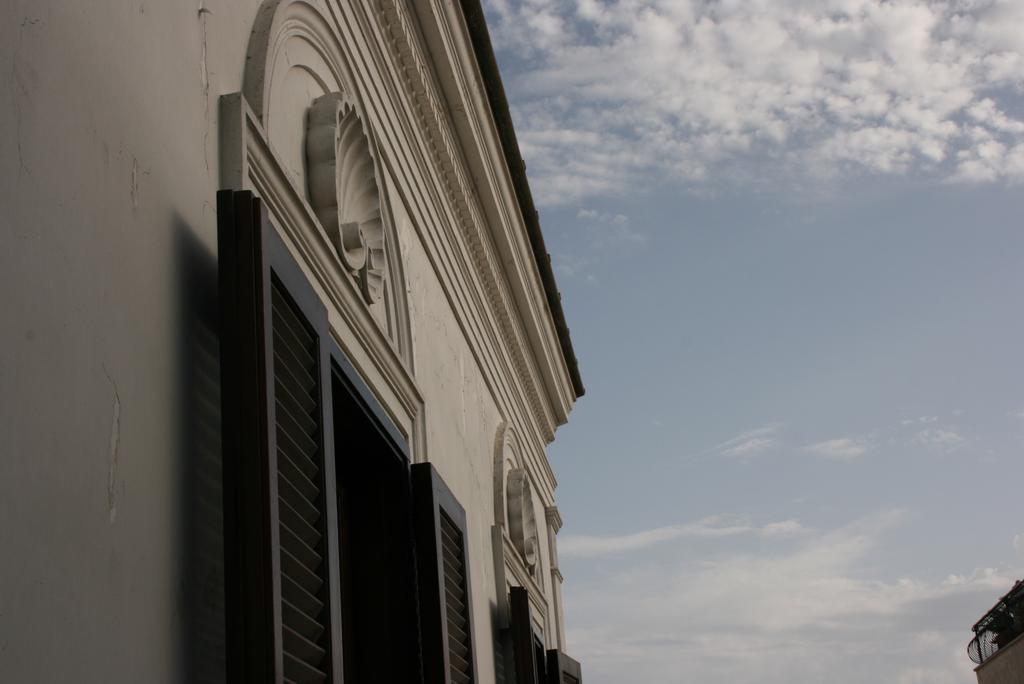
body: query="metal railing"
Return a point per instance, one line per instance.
(1003, 623)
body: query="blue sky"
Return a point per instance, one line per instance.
(789, 238)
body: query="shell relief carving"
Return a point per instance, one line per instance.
(344, 190)
(522, 522)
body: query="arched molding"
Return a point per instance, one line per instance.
(515, 500)
(298, 66)
(507, 455)
(277, 22)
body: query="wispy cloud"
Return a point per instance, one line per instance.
(574, 265)
(612, 95)
(711, 527)
(924, 420)
(938, 438)
(749, 447)
(609, 229)
(783, 528)
(812, 605)
(601, 238)
(842, 449)
(748, 443)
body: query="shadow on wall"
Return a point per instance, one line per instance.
(201, 526)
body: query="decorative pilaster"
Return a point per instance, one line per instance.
(554, 521)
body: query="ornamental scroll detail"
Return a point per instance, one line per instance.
(343, 190)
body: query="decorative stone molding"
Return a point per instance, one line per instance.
(248, 162)
(554, 518)
(514, 501)
(342, 184)
(522, 522)
(506, 457)
(299, 83)
(433, 118)
(277, 23)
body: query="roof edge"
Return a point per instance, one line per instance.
(476, 22)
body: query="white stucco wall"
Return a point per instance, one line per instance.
(107, 181)
(109, 465)
(460, 441)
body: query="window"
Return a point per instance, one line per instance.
(340, 558)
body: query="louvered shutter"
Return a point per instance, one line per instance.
(562, 669)
(443, 570)
(523, 641)
(278, 484)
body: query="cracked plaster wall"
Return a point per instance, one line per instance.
(107, 167)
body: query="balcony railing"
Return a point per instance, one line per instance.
(1000, 625)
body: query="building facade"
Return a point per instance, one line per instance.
(998, 644)
(283, 350)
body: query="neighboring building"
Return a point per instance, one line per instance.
(282, 350)
(998, 644)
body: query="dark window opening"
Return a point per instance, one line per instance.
(378, 590)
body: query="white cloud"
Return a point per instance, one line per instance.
(749, 447)
(609, 229)
(762, 614)
(938, 438)
(604, 236)
(783, 528)
(611, 95)
(842, 449)
(748, 443)
(712, 527)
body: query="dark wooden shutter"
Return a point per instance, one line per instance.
(442, 565)
(562, 669)
(279, 515)
(523, 640)
(300, 497)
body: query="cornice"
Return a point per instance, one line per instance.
(422, 90)
(553, 517)
(479, 112)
